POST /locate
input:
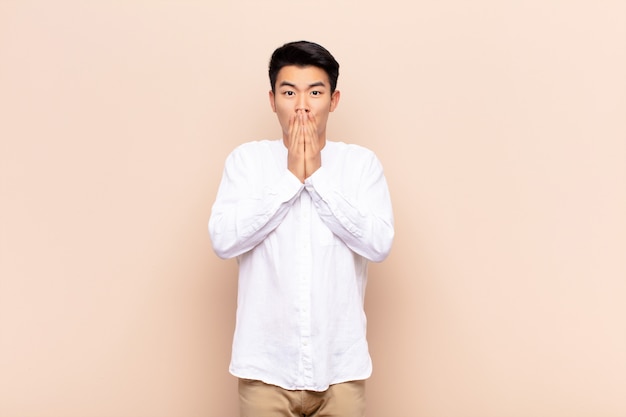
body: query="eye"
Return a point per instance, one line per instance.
(316, 93)
(289, 93)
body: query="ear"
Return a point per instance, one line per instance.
(272, 102)
(334, 100)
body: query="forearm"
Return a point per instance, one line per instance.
(364, 224)
(241, 220)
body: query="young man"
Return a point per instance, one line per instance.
(303, 216)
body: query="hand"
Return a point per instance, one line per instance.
(312, 146)
(303, 150)
(295, 147)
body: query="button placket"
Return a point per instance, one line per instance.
(306, 365)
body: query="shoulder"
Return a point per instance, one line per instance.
(254, 149)
(350, 151)
(256, 146)
(348, 147)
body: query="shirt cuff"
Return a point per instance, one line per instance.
(318, 184)
(287, 187)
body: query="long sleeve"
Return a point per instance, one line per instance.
(352, 199)
(302, 252)
(254, 196)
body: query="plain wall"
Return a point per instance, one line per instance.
(502, 129)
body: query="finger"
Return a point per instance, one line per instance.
(311, 128)
(292, 120)
(294, 131)
(303, 127)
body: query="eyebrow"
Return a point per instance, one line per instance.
(315, 84)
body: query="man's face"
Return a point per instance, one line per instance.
(303, 89)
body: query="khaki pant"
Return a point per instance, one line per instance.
(257, 399)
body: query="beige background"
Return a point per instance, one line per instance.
(502, 129)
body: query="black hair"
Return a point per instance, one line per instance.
(304, 54)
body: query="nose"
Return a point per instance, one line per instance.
(302, 104)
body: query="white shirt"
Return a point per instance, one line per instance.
(302, 251)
